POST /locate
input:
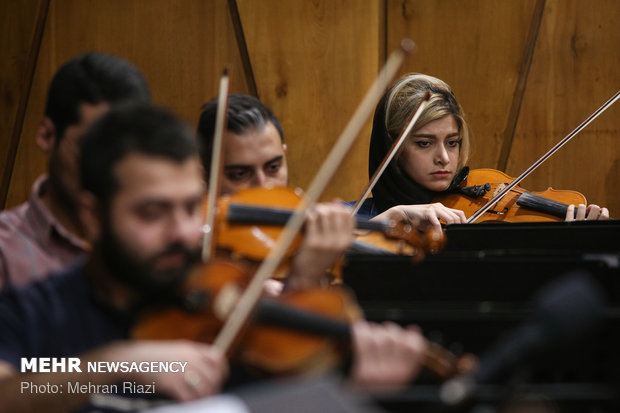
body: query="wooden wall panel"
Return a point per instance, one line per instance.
(476, 46)
(313, 62)
(20, 27)
(575, 70)
(181, 47)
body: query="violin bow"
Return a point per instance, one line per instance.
(543, 158)
(393, 150)
(215, 173)
(248, 300)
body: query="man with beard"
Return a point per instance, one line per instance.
(44, 234)
(140, 207)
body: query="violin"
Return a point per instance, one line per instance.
(529, 200)
(250, 221)
(518, 205)
(209, 295)
(294, 333)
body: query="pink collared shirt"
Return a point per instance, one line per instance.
(33, 243)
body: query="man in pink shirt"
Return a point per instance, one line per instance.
(44, 234)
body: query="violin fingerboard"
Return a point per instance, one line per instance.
(542, 204)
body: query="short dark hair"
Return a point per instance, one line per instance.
(129, 129)
(245, 113)
(92, 78)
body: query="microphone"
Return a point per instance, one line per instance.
(566, 310)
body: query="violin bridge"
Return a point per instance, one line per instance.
(499, 189)
(492, 210)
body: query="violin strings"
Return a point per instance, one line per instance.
(543, 158)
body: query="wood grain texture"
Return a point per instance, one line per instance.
(181, 47)
(476, 46)
(517, 97)
(313, 62)
(21, 26)
(242, 47)
(575, 70)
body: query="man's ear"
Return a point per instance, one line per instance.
(46, 135)
(90, 212)
(284, 148)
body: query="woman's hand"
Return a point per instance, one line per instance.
(590, 213)
(424, 216)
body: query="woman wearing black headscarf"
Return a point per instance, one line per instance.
(430, 162)
(432, 159)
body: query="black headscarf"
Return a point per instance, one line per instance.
(395, 187)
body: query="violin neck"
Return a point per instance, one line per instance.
(272, 313)
(541, 204)
(249, 214)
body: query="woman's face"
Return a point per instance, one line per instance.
(430, 154)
